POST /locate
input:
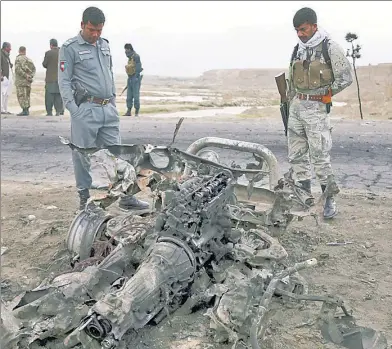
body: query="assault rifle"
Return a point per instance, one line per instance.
(284, 102)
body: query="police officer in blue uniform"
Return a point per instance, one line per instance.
(88, 91)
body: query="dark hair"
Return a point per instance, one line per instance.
(304, 15)
(5, 45)
(128, 47)
(22, 49)
(53, 42)
(93, 15)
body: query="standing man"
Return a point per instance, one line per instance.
(24, 74)
(52, 91)
(85, 66)
(6, 76)
(133, 70)
(319, 70)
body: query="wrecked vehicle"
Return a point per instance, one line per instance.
(206, 242)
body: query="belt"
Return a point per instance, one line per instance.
(306, 97)
(96, 100)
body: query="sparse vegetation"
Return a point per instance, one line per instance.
(354, 54)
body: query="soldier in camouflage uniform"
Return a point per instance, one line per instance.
(24, 74)
(319, 70)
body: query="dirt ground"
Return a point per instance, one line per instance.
(36, 216)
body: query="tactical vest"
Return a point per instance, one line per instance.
(130, 68)
(311, 75)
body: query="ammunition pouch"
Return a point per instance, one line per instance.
(311, 75)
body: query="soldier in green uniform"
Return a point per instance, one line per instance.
(24, 74)
(319, 70)
(133, 70)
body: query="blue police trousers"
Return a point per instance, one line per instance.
(92, 125)
(133, 92)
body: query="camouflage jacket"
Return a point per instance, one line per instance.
(24, 71)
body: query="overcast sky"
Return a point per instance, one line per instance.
(186, 38)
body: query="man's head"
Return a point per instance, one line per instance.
(53, 43)
(128, 49)
(22, 50)
(6, 47)
(93, 21)
(305, 23)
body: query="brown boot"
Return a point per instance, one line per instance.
(128, 113)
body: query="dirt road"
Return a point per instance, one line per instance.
(361, 154)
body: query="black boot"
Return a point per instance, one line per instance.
(136, 112)
(27, 111)
(84, 195)
(307, 186)
(24, 112)
(128, 113)
(129, 202)
(330, 209)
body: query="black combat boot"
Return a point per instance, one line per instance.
(128, 113)
(84, 195)
(136, 112)
(307, 186)
(129, 202)
(330, 209)
(24, 112)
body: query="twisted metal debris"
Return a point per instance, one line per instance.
(204, 241)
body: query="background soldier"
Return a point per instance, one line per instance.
(24, 74)
(85, 66)
(133, 70)
(52, 91)
(6, 76)
(319, 70)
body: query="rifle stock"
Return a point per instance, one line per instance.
(284, 102)
(125, 88)
(282, 86)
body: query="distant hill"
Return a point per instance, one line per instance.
(374, 80)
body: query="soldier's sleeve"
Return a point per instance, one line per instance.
(138, 64)
(33, 69)
(45, 62)
(341, 68)
(25, 68)
(19, 69)
(113, 82)
(65, 69)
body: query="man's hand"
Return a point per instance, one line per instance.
(29, 78)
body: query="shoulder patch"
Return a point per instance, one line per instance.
(105, 40)
(70, 41)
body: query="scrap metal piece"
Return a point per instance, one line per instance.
(253, 148)
(168, 268)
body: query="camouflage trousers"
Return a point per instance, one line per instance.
(23, 94)
(309, 140)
